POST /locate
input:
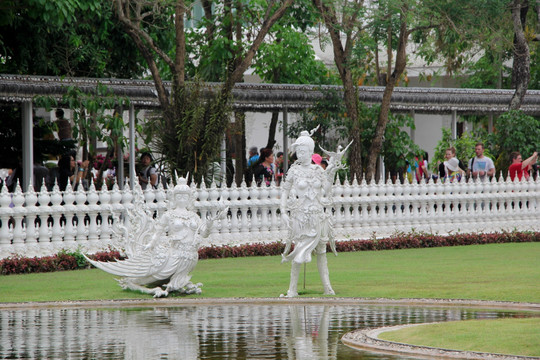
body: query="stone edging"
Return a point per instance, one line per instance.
(368, 339)
(193, 301)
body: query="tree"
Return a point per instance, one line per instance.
(343, 34)
(347, 23)
(329, 113)
(198, 126)
(290, 58)
(521, 70)
(516, 131)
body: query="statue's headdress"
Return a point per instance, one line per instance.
(305, 139)
(181, 186)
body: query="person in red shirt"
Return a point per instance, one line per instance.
(521, 168)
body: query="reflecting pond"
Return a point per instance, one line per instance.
(237, 331)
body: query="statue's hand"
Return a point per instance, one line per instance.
(285, 220)
(220, 214)
(151, 243)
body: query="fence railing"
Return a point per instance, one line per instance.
(39, 224)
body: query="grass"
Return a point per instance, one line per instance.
(503, 336)
(506, 272)
(502, 272)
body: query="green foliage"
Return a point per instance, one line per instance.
(66, 37)
(398, 148)
(514, 131)
(455, 31)
(77, 256)
(464, 146)
(330, 114)
(290, 59)
(486, 73)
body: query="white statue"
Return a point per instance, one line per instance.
(160, 252)
(305, 193)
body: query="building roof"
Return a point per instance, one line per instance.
(277, 97)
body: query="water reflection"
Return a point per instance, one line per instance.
(207, 332)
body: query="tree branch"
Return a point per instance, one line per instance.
(134, 26)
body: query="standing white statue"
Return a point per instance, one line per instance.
(305, 193)
(160, 252)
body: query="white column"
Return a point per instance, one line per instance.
(132, 174)
(223, 160)
(285, 142)
(454, 124)
(28, 145)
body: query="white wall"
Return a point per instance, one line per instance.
(428, 131)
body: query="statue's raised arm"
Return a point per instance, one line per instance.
(335, 158)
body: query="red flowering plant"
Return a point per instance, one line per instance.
(74, 260)
(98, 162)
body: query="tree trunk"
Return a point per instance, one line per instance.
(276, 79)
(401, 62)
(341, 59)
(239, 138)
(272, 130)
(194, 157)
(522, 57)
(355, 152)
(179, 65)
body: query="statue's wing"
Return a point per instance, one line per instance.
(328, 153)
(139, 266)
(346, 148)
(314, 130)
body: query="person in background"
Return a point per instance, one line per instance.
(148, 173)
(14, 177)
(64, 126)
(253, 156)
(520, 168)
(69, 170)
(278, 167)
(316, 159)
(263, 170)
(449, 154)
(40, 175)
(422, 166)
(453, 169)
(324, 163)
(480, 166)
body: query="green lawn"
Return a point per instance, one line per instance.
(503, 336)
(502, 272)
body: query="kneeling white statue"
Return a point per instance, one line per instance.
(305, 194)
(160, 252)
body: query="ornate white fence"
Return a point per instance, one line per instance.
(38, 224)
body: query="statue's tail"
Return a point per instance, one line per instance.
(287, 250)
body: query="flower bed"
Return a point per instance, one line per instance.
(74, 260)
